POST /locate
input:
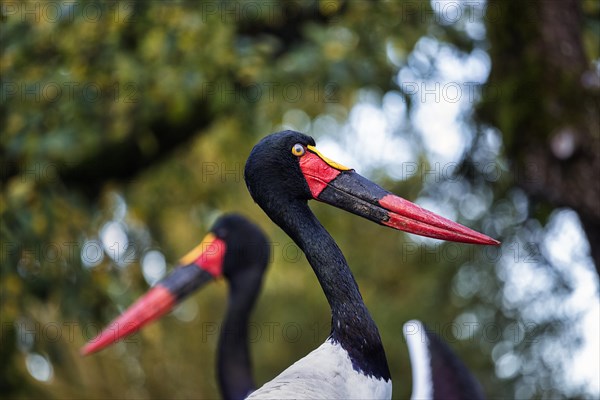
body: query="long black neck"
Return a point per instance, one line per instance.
(233, 360)
(352, 325)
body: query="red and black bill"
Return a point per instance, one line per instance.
(201, 265)
(340, 186)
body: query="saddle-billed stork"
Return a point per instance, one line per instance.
(437, 371)
(236, 249)
(284, 171)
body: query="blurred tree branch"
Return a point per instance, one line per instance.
(541, 78)
(123, 160)
(289, 29)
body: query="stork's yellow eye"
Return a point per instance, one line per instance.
(298, 150)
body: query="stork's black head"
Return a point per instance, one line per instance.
(285, 169)
(272, 172)
(247, 253)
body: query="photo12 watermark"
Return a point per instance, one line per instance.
(272, 92)
(473, 332)
(32, 259)
(69, 91)
(69, 11)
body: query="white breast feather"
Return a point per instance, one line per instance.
(325, 373)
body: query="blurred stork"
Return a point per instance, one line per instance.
(437, 372)
(236, 249)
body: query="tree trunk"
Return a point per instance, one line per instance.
(545, 101)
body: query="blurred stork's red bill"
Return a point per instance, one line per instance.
(201, 265)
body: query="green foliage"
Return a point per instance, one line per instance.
(139, 116)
